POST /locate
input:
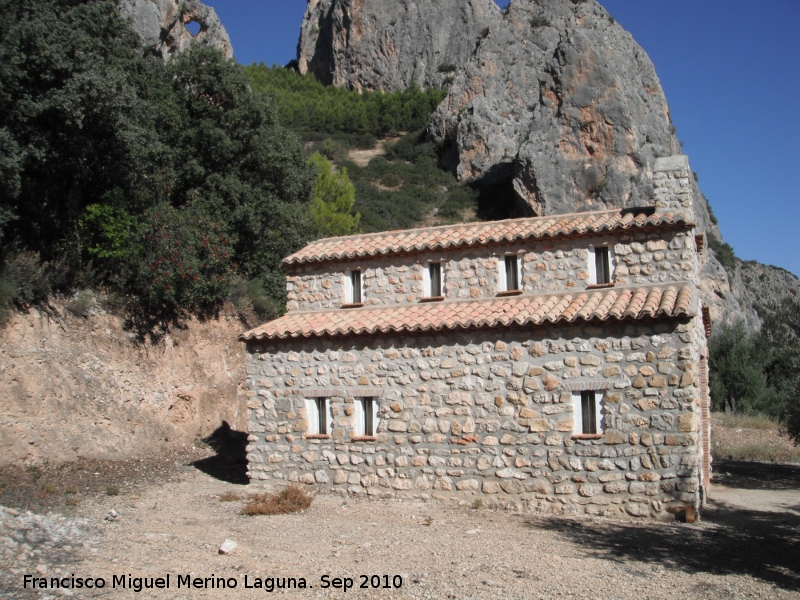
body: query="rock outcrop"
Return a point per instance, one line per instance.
(163, 25)
(562, 102)
(369, 45)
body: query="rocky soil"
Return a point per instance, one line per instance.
(175, 523)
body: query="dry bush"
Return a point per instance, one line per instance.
(292, 498)
(230, 497)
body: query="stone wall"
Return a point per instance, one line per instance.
(548, 266)
(672, 187)
(489, 413)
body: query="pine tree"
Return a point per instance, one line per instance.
(333, 197)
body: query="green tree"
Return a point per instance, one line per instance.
(332, 199)
(235, 162)
(793, 414)
(94, 135)
(780, 334)
(737, 363)
(79, 116)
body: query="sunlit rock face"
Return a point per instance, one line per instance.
(167, 26)
(380, 45)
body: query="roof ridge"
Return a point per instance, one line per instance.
(482, 233)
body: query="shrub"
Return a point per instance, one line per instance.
(81, 305)
(182, 259)
(109, 230)
(335, 150)
(391, 180)
(447, 68)
(290, 499)
(711, 214)
(252, 301)
(599, 187)
(539, 22)
(364, 141)
(723, 251)
(793, 415)
(26, 276)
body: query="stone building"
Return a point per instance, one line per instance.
(558, 363)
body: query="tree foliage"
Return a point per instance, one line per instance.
(332, 199)
(100, 143)
(737, 365)
(759, 372)
(308, 106)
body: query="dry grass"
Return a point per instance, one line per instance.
(739, 437)
(758, 450)
(735, 421)
(230, 497)
(292, 498)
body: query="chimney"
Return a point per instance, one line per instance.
(672, 185)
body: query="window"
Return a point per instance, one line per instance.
(319, 416)
(601, 261)
(366, 417)
(510, 274)
(433, 280)
(353, 287)
(587, 413)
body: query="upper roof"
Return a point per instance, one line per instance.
(602, 305)
(484, 233)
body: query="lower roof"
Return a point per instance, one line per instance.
(600, 305)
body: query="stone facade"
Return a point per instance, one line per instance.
(550, 266)
(490, 410)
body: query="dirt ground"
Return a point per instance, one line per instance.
(170, 521)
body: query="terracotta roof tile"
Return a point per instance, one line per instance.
(481, 233)
(603, 305)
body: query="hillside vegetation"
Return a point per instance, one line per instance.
(402, 187)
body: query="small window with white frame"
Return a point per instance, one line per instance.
(318, 414)
(366, 418)
(587, 412)
(433, 280)
(353, 287)
(510, 273)
(601, 265)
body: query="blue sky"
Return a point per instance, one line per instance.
(731, 73)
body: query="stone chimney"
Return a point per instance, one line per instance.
(672, 185)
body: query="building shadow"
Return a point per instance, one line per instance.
(756, 475)
(731, 540)
(229, 462)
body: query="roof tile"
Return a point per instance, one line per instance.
(602, 305)
(481, 233)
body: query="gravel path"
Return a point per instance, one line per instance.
(439, 550)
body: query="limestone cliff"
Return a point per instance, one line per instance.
(369, 45)
(162, 24)
(563, 102)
